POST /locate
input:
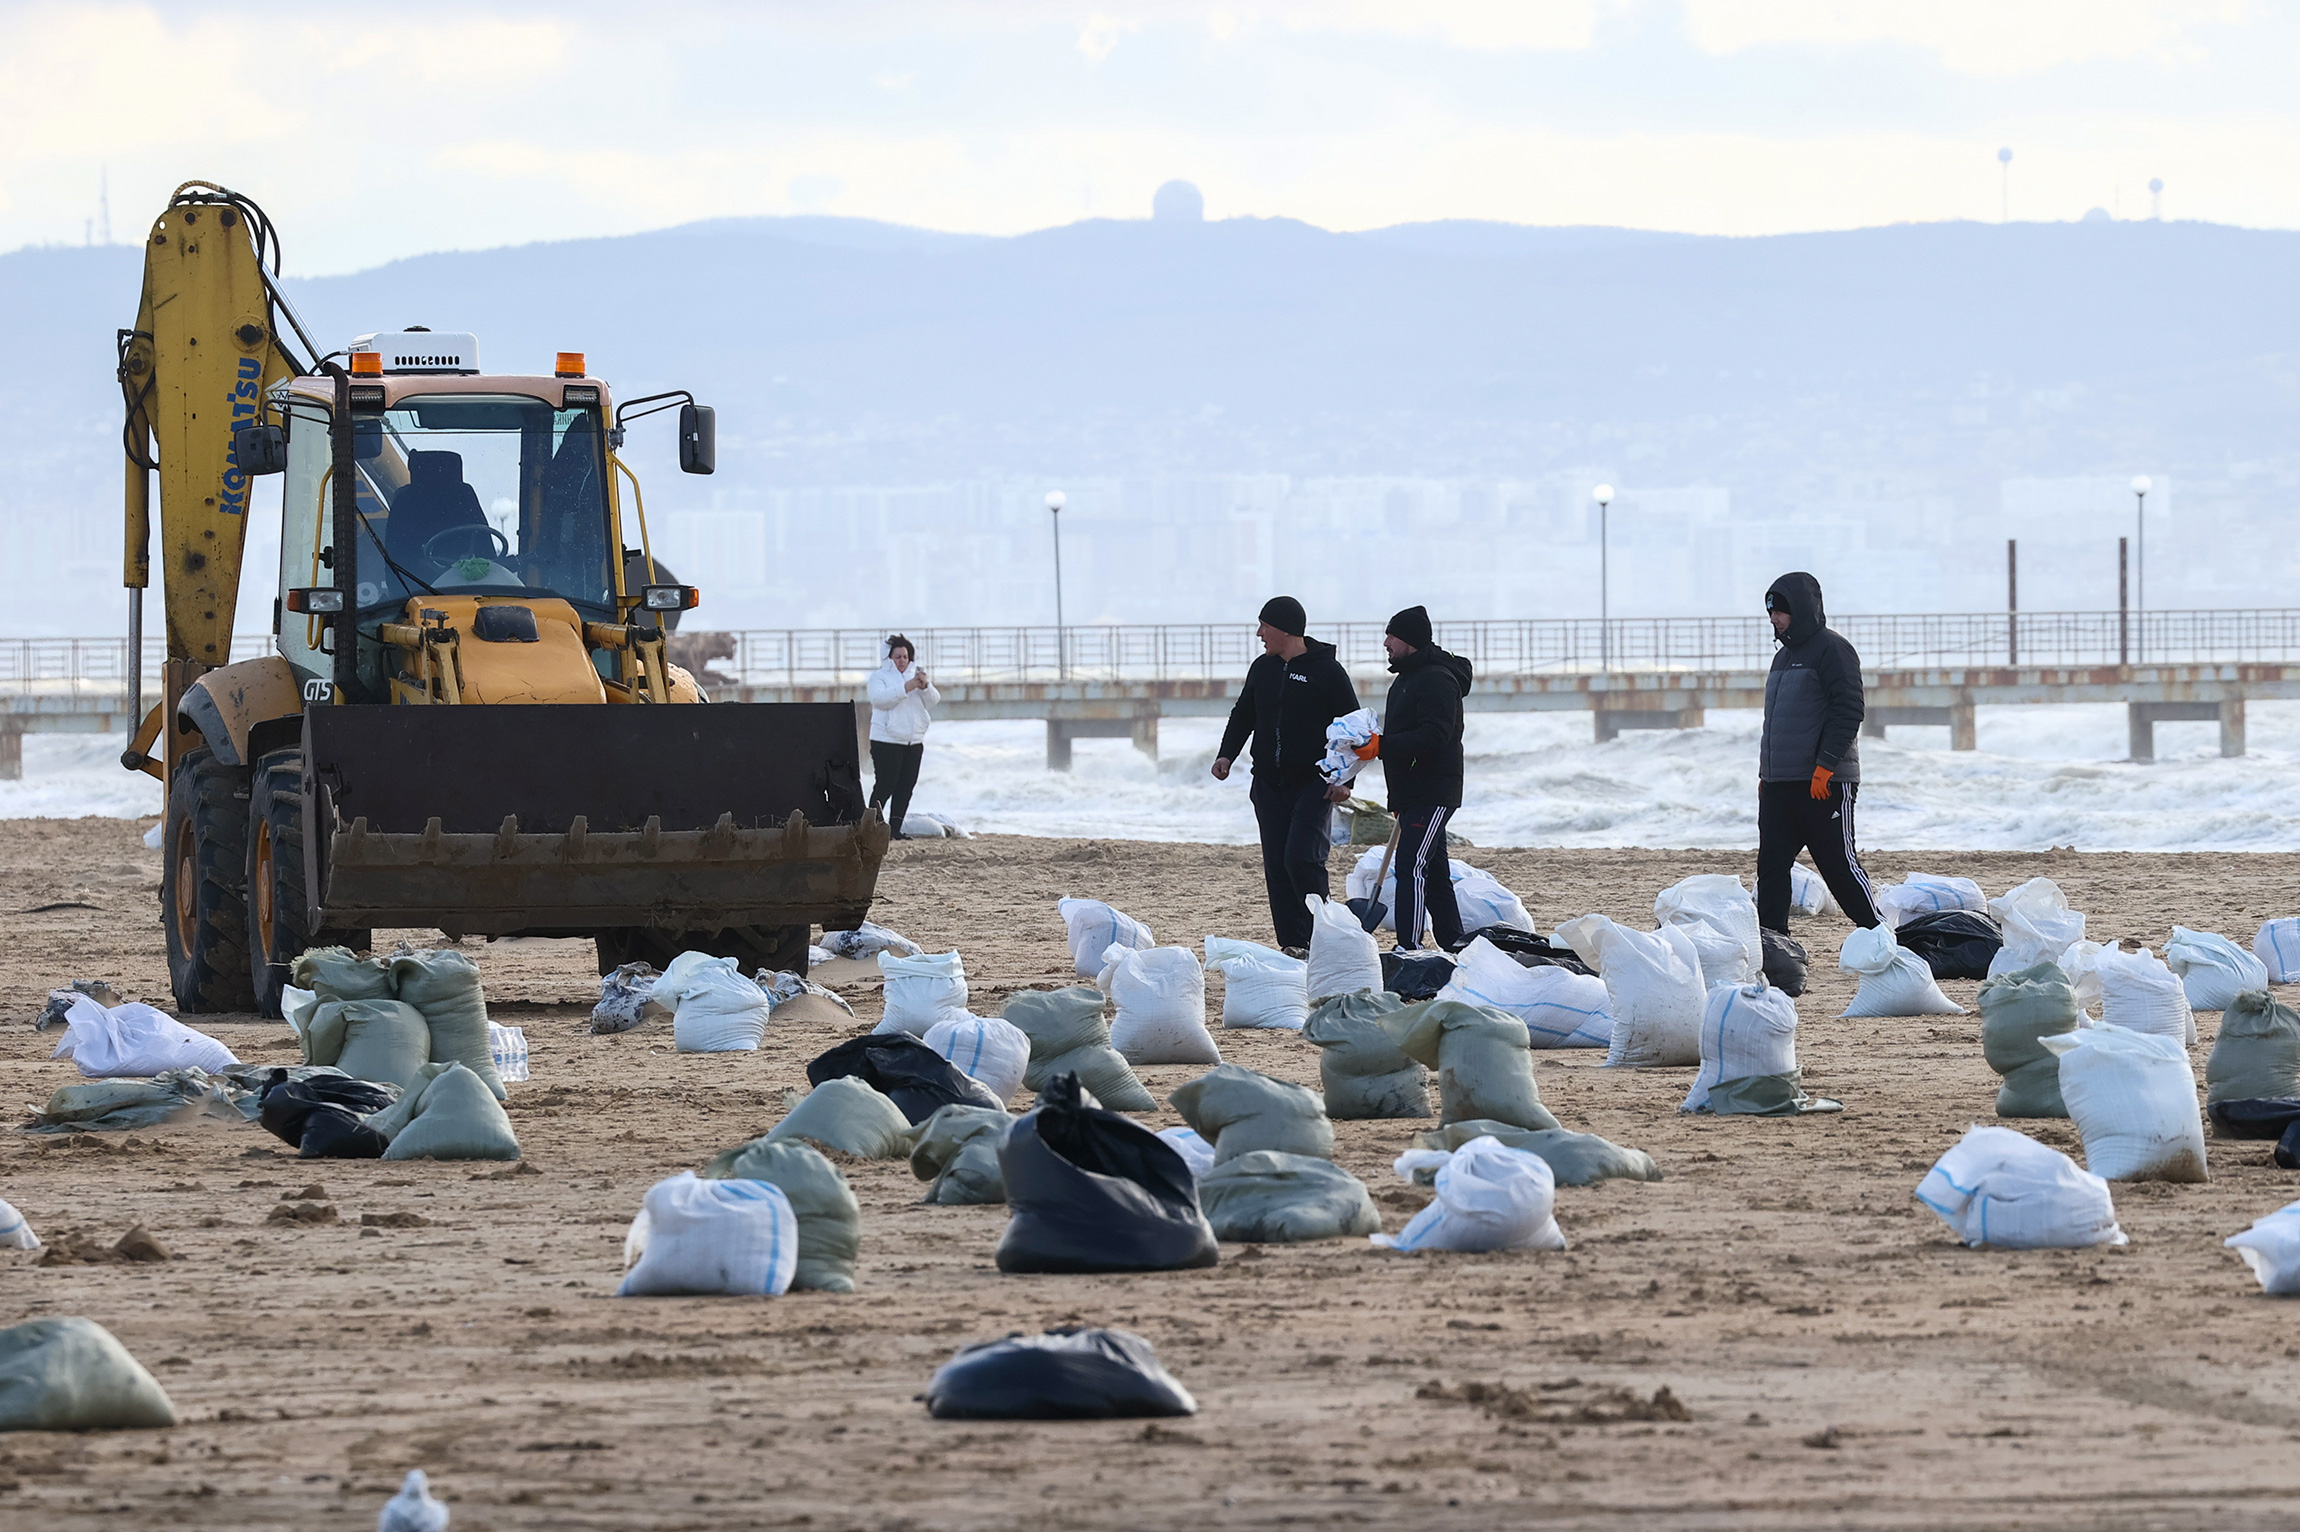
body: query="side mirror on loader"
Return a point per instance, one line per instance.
(259, 449)
(698, 438)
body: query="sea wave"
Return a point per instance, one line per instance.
(2046, 776)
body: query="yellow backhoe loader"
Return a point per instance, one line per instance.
(469, 722)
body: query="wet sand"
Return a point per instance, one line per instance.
(1842, 1362)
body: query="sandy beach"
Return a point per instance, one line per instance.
(1839, 1360)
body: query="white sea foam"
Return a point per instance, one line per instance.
(2046, 776)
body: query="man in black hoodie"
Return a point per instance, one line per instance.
(1292, 692)
(1809, 762)
(1420, 752)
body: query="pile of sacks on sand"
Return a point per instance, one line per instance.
(400, 1061)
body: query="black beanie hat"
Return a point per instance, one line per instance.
(1412, 625)
(1286, 615)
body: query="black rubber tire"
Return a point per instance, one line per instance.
(774, 948)
(203, 888)
(277, 915)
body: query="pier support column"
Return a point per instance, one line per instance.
(1964, 728)
(2140, 731)
(2232, 727)
(1057, 745)
(1872, 727)
(12, 749)
(1146, 734)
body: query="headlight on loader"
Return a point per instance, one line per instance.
(670, 598)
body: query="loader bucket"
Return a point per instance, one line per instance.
(570, 819)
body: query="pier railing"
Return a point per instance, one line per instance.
(97, 667)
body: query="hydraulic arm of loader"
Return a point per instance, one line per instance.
(193, 371)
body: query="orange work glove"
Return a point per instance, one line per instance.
(1370, 749)
(1821, 776)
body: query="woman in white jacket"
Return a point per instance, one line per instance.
(900, 695)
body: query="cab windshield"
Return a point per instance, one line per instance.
(478, 493)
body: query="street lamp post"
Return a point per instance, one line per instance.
(2140, 489)
(1055, 501)
(1603, 495)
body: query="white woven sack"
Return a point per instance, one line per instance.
(714, 1009)
(1343, 957)
(1161, 999)
(697, 1236)
(988, 1049)
(1560, 1008)
(133, 1041)
(1195, 1151)
(1653, 980)
(2081, 962)
(2038, 924)
(15, 1233)
(1718, 902)
(921, 990)
(2140, 994)
(1483, 901)
(1489, 1197)
(2132, 1096)
(1894, 980)
(2004, 1189)
(1747, 1031)
(1094, 928)
(2271, 1247)
(1924, 893)
(1723, 959)
(1808, 893)
(2278, 947)
(1261, 986)
(2213, 970)
(1477, 894)
(869, 940)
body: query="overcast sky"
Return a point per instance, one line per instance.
(376, 131)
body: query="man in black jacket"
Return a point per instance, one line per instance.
(1420, 752)
(1292, 692)
(1809, 762)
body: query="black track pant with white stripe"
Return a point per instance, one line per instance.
(1789, 820)
(1425, 880)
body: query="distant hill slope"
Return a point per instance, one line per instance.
(1870, 367)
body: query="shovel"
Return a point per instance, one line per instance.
(1370, 910)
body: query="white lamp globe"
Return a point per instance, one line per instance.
(1056, 500)
(1603, 494)
(2141, 484)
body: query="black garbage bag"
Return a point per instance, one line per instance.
(1530, 950)
(322, 1116)
(2276, 1117)
(1955, 944)
(904, 1070)
(1786, 963)
(1060, 1375)
(1094, 1191)
(1415, 975)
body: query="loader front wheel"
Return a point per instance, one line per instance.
(203, 889)
(774, 948)
(277, 909)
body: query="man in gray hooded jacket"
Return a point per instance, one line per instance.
(1809, 762)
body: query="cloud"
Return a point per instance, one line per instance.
(1990, 38)
(1473, 24)
(1100, 35)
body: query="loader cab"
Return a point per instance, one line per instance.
(467, 486)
